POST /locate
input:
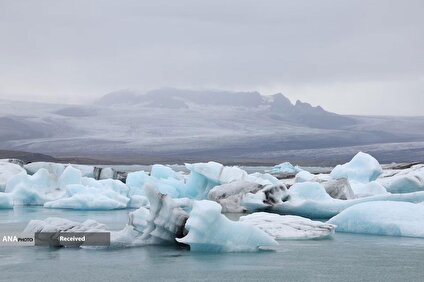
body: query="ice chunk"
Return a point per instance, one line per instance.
(209, 230)
(404, 181)
(229, 195)
(367, 189)
(161, 171)
(104, 196)
(382, 218)
(304, 176)
(166, 219)
(268, 196)
(362, 168)
(339, 189)
(7, 171)
(6, 200)
(138, 201)
(262, 178)
(164, 222)
(57, 169)
(69, 176)
(309, 199)
(218, 173)
(289, 226)
(285, 168)
(33, 189)
(56, 224)
(135, 181)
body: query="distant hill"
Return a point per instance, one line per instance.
(177, 125)
(279, 105)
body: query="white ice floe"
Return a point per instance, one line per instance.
(209, 230)
(382, 218)
(283, 227)
(362, 168)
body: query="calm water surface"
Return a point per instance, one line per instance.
(347, 257)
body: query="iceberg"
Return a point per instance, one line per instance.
(339, 189)
(92, 194)
(284, 170)
(7, 171)
(217, 172)
(285, 167)
(56, 224)
(404, 181)
(267, 197)
(166, 219)
(362, 168)
(210, 231)
(161, 171)
(33, 189)
(229, 195)
(285, 227)
(304, 176)
(57, 169)
(135, 181)
(367, 189)
(382, 218)
(82, 197)
(309, 199)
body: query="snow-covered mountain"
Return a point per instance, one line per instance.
(176, 125)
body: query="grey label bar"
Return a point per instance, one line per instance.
(72, 239)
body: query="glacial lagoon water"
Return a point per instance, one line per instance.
(347, 257)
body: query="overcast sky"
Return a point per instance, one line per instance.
(362, 57)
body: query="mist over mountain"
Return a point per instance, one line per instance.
(176, 125)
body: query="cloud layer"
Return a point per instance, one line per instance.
(361, 57)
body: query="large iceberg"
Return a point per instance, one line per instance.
(209, 230)
(309, 199)
(69, 190)
(282, 227)
(382, 218)
(202, 179)
(362, 168)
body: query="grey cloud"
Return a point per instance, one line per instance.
(326, 52)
